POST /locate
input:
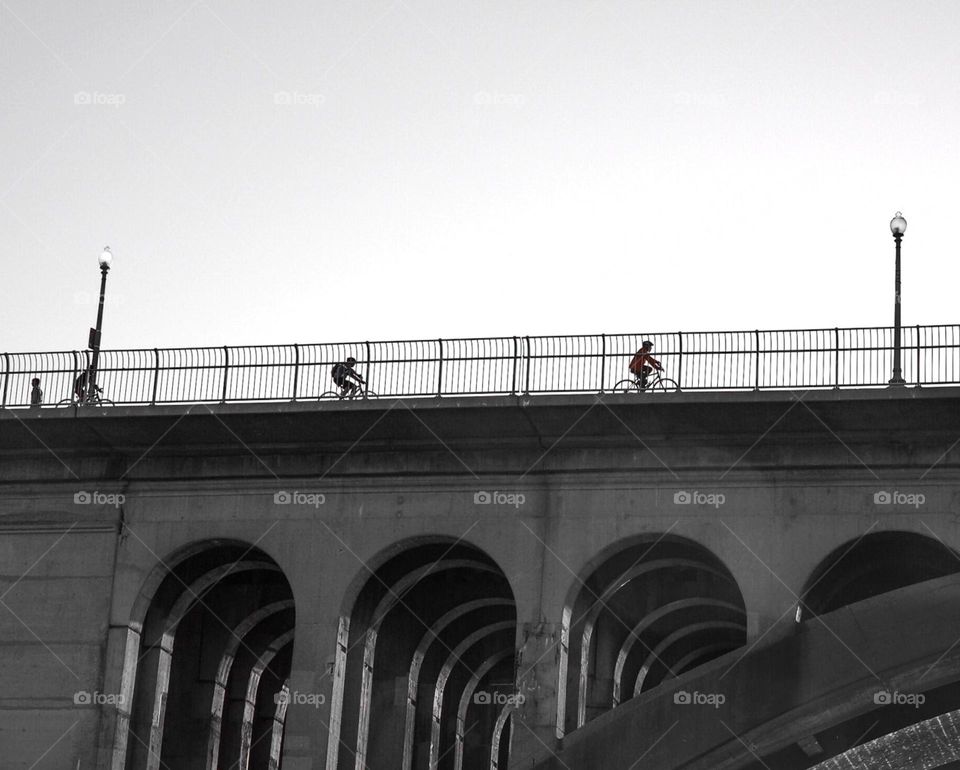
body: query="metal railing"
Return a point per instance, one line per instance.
(735, 360)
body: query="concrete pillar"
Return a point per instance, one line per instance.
(534, 721)
(308, 718)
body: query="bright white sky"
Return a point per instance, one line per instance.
(457, 168)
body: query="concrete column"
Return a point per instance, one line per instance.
(534, 721)
(308, 715)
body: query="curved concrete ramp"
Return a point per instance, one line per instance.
(753, 703)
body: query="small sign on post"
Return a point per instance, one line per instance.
(94, 342)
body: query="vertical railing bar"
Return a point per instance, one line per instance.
(296, 370)
(916, 341)
(680, 360)
(836, 358)
(603, 361)
(516, 357)
(6, 377)
(226, 371)
(440, 369)
(76, 372)
(366, 368)
(526, 388)
(156, 376)
(756, 373)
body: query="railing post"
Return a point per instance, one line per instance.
(6, 377)
(296, 369)
(516, 357)
(226, 372)
(366, 371)
(603, 360)
(76, 372)
(156, 376)
(917, 341)
(756, 372)
(526, 387)
(440, 369)
(680, 360)
(836, 358)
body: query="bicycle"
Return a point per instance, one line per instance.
(87, 400)
(656, 383)
(361, 392)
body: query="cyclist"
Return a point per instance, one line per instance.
(346, 378)
(643, 363)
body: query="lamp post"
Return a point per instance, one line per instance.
(105, 259)
(898, 226)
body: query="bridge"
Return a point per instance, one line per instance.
(529, 573)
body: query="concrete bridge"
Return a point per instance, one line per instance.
(696, 580)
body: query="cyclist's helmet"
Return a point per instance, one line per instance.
(351, 360)
(647, 344)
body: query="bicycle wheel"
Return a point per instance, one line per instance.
(370, 394)
(664, 385)
(67, 402)
(626, 386)
(330, 394)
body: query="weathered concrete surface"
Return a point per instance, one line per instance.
(56, 579)
(798, 473)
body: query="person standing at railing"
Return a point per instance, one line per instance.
(643, 363)
(80, 386)
(346, 378)
(36, 395)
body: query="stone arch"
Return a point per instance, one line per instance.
(637, 596)
(871, 565)
(499, 743)
(224, 668)
(649, 620)
(201, 592)
(412, 604)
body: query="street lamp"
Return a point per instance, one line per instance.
(898, 226)
(106, 257)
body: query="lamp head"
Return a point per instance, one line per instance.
(106, 257)
(898, 225)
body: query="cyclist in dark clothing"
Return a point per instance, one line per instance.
(346, 378)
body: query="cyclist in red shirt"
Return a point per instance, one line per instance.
(643, 363)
